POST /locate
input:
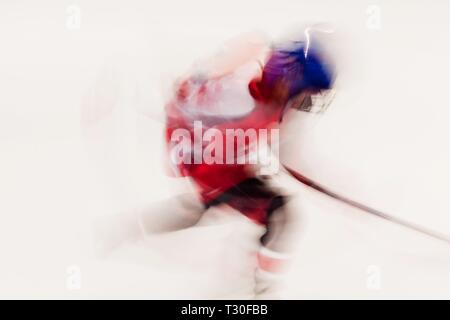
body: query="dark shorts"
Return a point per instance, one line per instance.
(252, 197)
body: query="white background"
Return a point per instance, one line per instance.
(81, 137)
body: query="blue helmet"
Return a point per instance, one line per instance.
(296, 69)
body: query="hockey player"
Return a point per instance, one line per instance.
(288, 76)
(292, 72)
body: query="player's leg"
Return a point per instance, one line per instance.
(180, 212)
(275, 251)
(173, 214)
(266, 205)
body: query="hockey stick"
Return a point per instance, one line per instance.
(312, 184)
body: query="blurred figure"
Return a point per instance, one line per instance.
(222, 117)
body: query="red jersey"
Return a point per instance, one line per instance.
(198, 100)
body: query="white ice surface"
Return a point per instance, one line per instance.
(81, 136)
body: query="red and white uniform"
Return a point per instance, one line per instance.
(230, 102)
